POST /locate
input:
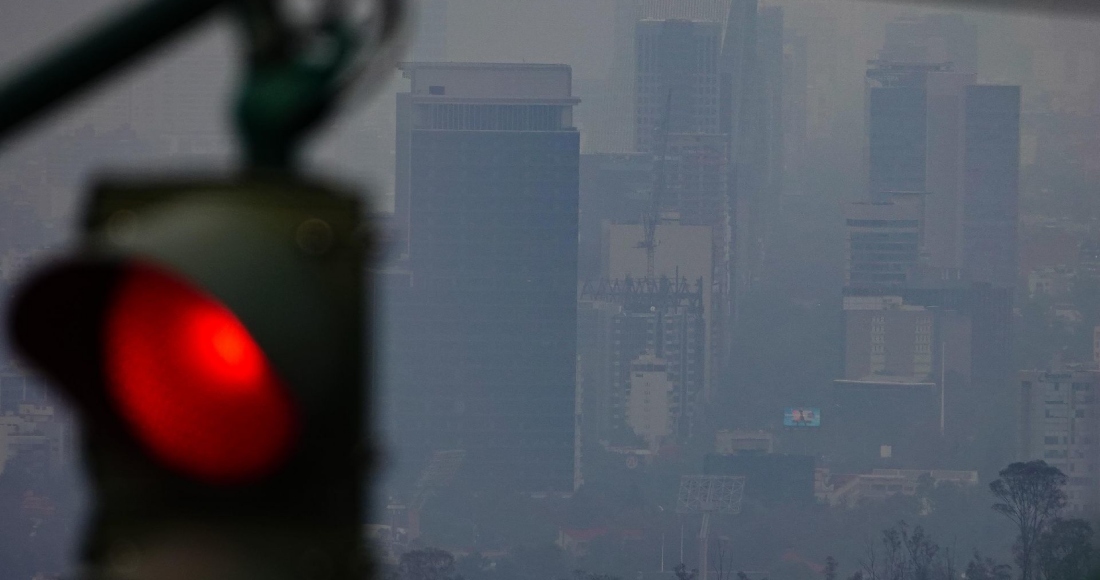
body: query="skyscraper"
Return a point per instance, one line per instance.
(486, 201)
(681, 113)
(932, 253)
(992, 176)
(703, 81)
(936, 135)
(770, 59)
(897, 109)
(883, 243)
(644, 381)
(677, 76)
(795, 121)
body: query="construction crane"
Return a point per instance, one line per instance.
(653, 217)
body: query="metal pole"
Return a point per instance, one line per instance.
(662, 551)
(65, 72)
(943, 382)
(704, 535)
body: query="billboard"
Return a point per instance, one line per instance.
(802, 417)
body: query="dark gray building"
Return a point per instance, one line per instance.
(937, 137)
(884, 423)
(992, 184)
(486, 201)
(770, 59)
(883, 243)
(795, 117)
(947, 344)
(770, 478)
(897, 127)
(677, 74)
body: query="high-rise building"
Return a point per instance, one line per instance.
(883, 242)
(683, 251)
(896, 339)
(642, 362)
(763, 160)
(951, 336)
(897, 126)
(695, 182)
(770, 42)
(704, 81)
(796, 108)
(992, 189)
(611, 122)
(706, 62)
(1060, 424)
(936, 135)
(1088, 261)
(486, 201)
(655, 360)
(626, 319)
(945, 96)
(676, 80)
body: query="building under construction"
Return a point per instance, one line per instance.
(641, 347)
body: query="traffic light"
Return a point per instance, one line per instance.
(210, 333)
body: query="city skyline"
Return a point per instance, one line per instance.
(844, 254)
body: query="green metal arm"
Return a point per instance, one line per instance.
(75, 67)
(292, 80)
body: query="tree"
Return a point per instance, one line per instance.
(1065, 550)
(723, 567)
(887, 562)
(921, 552)
(987, 569)
(906, 554)
(831, 567)
(1030, 495)
(682, 573)
(426, 564)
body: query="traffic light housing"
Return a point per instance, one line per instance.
(210, 333)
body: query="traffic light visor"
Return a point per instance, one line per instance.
(189, 378)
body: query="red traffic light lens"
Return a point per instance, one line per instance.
(192, 382)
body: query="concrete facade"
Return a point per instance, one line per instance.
(1060, 424)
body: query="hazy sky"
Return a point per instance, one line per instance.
(1013, 49)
